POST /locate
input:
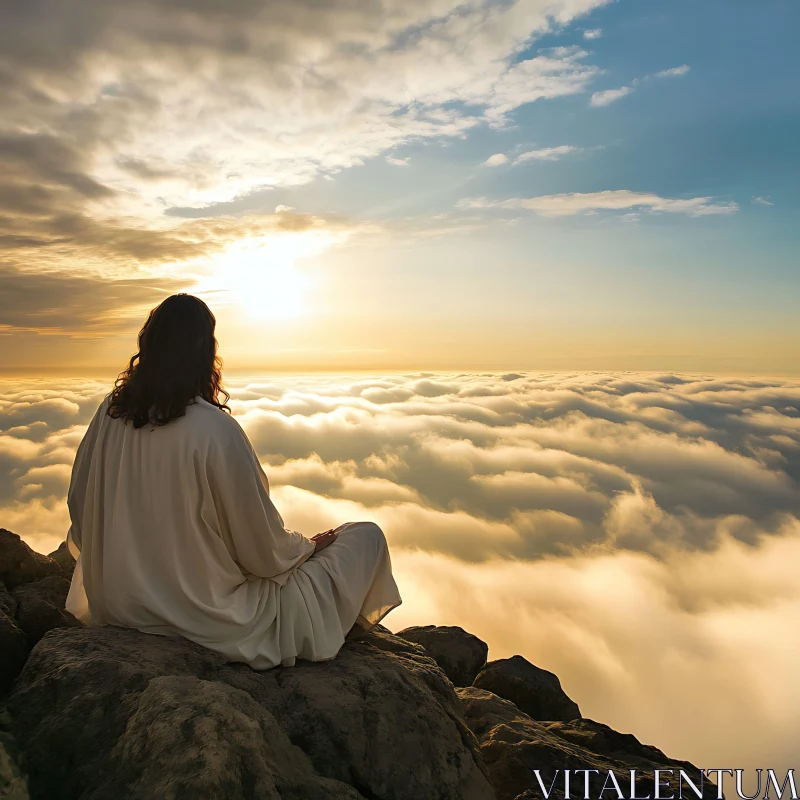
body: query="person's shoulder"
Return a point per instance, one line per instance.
(213, 418)
(218, 430)
(102, 408)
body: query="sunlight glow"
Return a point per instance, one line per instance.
(262, 276)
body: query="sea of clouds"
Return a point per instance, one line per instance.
(638, 534)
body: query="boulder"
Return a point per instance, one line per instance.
(13, 783)
(622, 747)
(228, 746)
(40, 607)
(460, 654)
(8, 605)
(13, 643)
(64, 559)
(19, 564)
(100, 709)
(514, 745)
(533, 690)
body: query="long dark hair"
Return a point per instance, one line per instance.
(177, 360)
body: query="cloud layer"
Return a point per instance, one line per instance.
(559, 205)
(636, 533)
(114, 114)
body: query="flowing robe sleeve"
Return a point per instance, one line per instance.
(248, 521)
(77, 602)
(79, 480)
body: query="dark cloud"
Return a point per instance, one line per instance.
(148, 171)
(75, 305)
(46, 192)
(47, 161)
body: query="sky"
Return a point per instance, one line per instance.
(516, 280)
(541, 184)
(635, 533)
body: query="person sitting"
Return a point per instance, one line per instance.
(174, 530)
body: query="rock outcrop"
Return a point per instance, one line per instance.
(102, 712)
(100, 709)
(533, 690)
(33, 590)
(460, 654)
(40, 607)
(13, 785)
(514, 745)
(13, 641)
(19, 564)
(64, 559)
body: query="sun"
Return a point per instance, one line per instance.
(262, 277)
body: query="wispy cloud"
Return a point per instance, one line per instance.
(558, 72)
(547, 153)
(762, 201)
(540, 154)
(398, 162)
(557, 205)
(675, 72)
(101, 119)
(592, 33)
(497, 160)
(608, 96)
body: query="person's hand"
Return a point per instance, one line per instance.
(322, 540)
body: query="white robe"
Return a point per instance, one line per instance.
(175, 533)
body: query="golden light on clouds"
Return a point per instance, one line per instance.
(637, 534)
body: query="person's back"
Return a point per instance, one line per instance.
(176, 534)
(155, 536)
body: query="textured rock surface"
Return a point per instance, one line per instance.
(535, 691)
(8, 605)
(460, 654)
(229, 746)
(40, 607)
(13, 785)
(513, 745)
(19, 564)
(622, 747)
(380, 719)
(13, 642)
(64, 559)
